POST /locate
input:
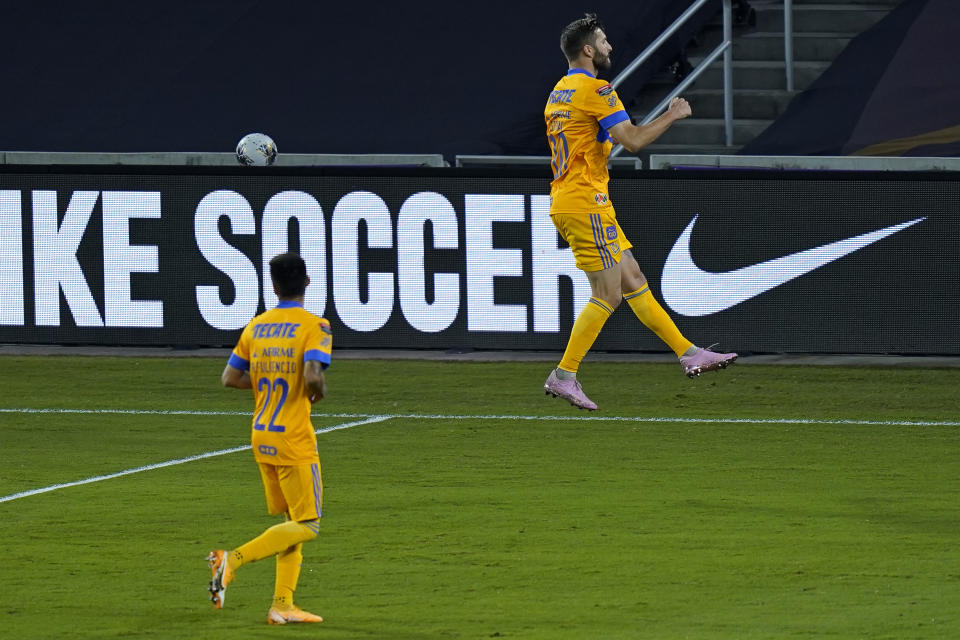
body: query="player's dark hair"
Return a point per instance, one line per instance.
(578, 33)
(288, 272)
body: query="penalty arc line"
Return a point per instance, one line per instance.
(171, 463)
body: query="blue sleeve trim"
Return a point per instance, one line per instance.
(316, 354)
(614, 118)
(237, 362)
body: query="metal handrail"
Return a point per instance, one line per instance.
(690, 79)
(724, 47)
(656, 44)
(788, 41)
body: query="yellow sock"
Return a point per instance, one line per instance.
(585, 330)
(272, 541)
(651, 314)
(288, 572)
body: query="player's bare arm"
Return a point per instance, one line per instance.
(233, 377)
(314, 380)
(635, 137)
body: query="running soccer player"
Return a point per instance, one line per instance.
(584, 116)
(281, 355)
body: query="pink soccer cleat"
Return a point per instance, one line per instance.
(705, 360)
(569, 390)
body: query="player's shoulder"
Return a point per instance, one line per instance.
(259, 318)
(598, 86)
(588, 87)
(587, 79)
(308, 317)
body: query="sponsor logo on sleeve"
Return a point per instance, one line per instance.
(605, 90)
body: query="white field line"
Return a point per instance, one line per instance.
(171, 463)
(370, 419)
(568, 418)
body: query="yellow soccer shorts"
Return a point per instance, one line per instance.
(294, 489)
(596, 239)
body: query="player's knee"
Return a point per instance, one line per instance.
(613, 299)
(310, 528)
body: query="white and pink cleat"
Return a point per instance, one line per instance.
(569, 390)
(703, 360)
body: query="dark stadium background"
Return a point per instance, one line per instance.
(319, 77)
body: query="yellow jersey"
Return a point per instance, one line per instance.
(274, 347)
(579, 111)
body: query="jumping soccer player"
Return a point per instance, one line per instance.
(584, 116)
(281, 356)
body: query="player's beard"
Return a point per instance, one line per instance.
(602, 62)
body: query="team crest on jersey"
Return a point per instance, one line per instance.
(611, 232)
(600, 198)
(605, 90)
(612, 101)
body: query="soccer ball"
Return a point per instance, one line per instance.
(256, 149)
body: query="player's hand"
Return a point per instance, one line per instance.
(680, 108)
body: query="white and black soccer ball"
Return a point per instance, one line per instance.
(256, 149)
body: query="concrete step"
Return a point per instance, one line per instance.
(836, 17)
(752, 104)
(768, 45)
(685, 149)
(710, 131)
(822, 29)
(887, 3)
(710, 149)
(761, 74)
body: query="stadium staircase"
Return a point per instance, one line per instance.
(821, 30)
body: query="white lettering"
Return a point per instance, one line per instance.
(275, 224)
(411, 270)
(473, 273)
(484, 263)
(11, 259)
(120, 259)
(549, 263)
(55, 264)
(350, 210)
(227, 258)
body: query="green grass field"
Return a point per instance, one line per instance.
(760, 502)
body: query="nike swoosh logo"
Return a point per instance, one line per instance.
(691, 291)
